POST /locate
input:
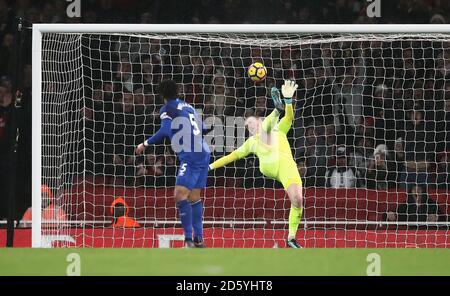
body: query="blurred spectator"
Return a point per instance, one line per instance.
(219, 96)
(330, 141)
(235, 104)
(443, 171)
(361, 158)
(124, 73)
(5, 93)
(51, 211)
(418, 207)
(260, 107)
(443, 63)
(437, 19)
(120, 211)
(146, 18)
(443, 122)
(399, 160)
(302, 170)
(314, 159)
(208, 108)
(380, 172)
(6, 54)
(348, 92)
(341, 175)
(419, 143)
(6, 14)
(129, 128)
(5, 108)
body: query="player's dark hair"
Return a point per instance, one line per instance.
(168, 89)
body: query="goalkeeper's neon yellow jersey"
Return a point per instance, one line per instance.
(271, 147)
(270, 151)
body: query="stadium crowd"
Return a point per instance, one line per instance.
(368, 114)
(379, 129)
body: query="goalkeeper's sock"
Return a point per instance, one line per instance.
(295, 214)
(185, 212)
(197, 220)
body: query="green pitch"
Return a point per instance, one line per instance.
(225, 261)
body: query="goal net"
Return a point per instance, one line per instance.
(370, 137)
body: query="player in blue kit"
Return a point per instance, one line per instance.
(182, 125)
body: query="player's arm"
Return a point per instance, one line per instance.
(239, 153)
(288, 89)
(163, 132)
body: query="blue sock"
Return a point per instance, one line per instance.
(185, 212)
(197, 219)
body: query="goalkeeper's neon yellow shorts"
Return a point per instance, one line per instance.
(288, 173)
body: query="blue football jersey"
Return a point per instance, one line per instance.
(183, 126)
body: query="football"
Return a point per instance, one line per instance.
(257, 72)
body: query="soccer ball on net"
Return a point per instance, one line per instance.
(257, 72)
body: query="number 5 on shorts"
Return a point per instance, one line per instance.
(182, 169)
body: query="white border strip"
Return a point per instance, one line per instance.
(237, 28)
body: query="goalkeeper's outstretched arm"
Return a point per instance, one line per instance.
(239, 153)
(286, 122)
(288, 89)
(223, 161)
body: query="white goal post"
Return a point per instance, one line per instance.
(272, 37)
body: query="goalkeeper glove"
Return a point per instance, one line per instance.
(288, 89)
(275, 93)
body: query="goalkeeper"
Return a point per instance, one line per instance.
(269, 142)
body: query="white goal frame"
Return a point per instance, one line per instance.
(39, 29)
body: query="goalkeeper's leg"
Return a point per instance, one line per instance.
(295, 193)
(290, 178)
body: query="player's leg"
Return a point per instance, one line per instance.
(183, 188)
(201, 177)
(185, 212)
(197, 216)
